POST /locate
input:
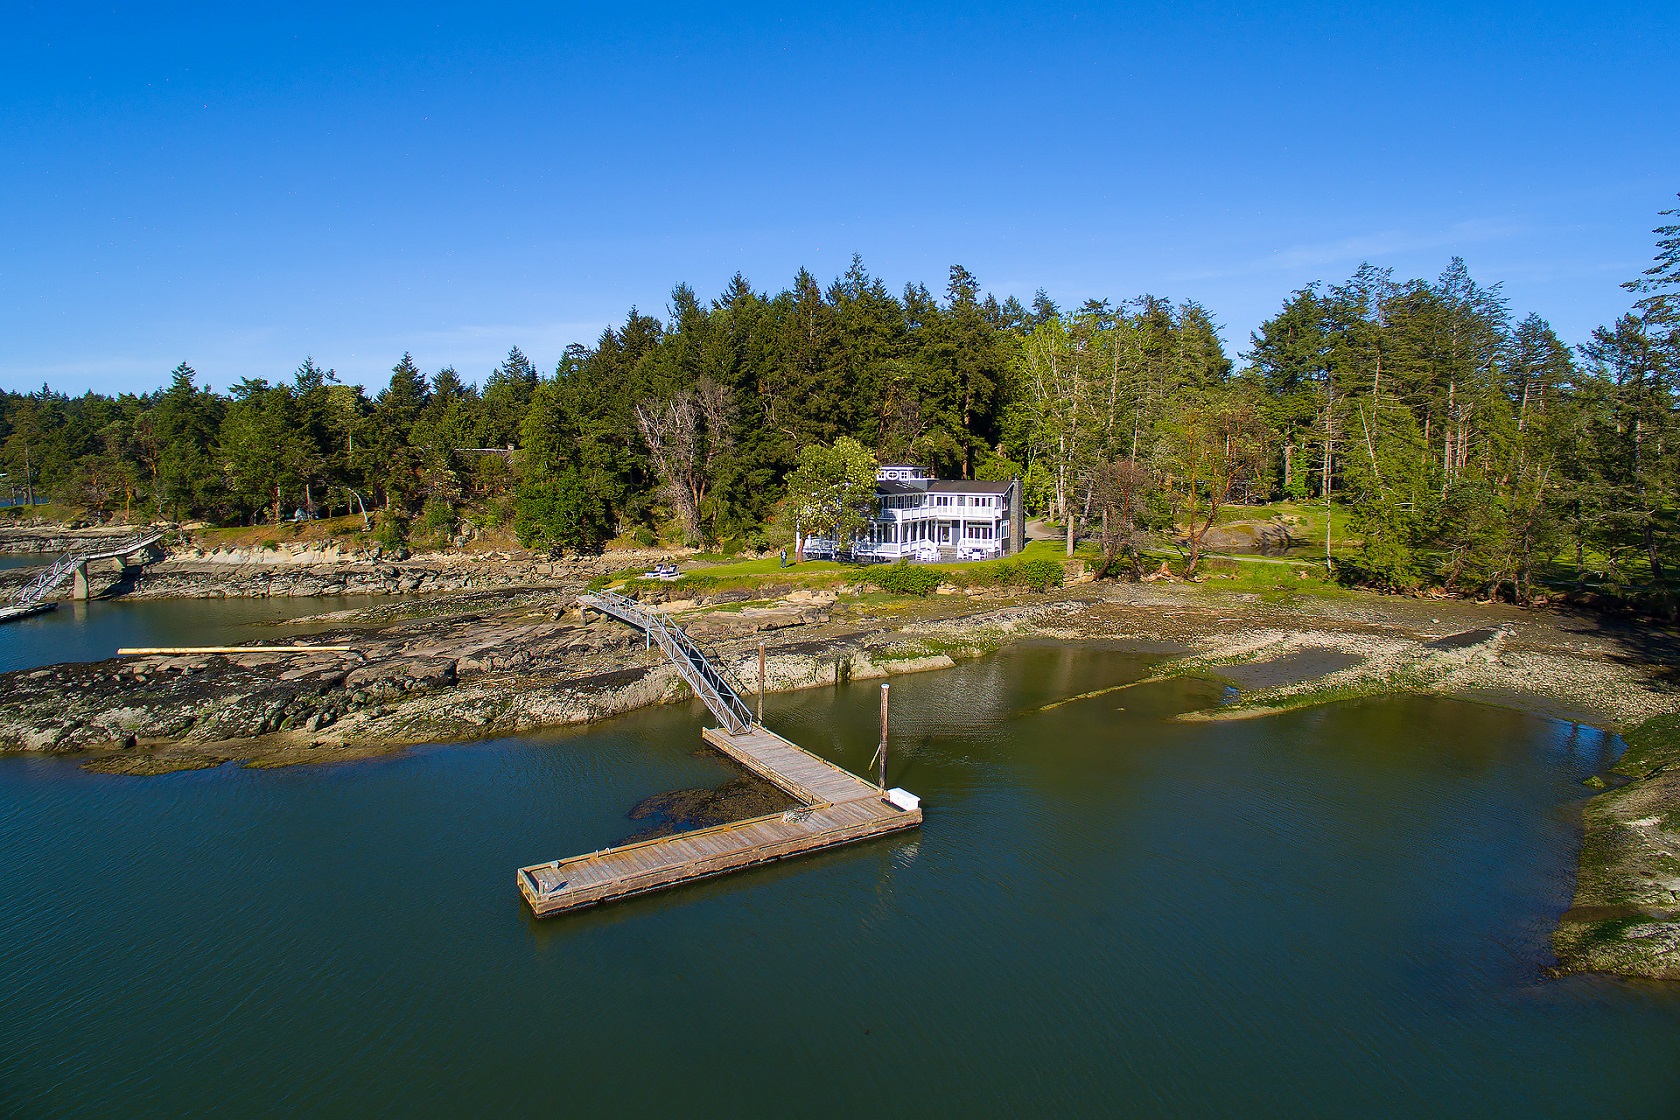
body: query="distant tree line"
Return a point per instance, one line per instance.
(1465, 447)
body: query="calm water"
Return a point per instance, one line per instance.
(1334, 913)
(26, 559)
(94, 630)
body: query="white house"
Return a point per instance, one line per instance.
(919, 517)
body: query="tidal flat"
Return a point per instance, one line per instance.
(486, 665)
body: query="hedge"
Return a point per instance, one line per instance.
(1040, 573)
(680, 588)
(902, 579)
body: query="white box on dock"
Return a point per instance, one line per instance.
(903, 799)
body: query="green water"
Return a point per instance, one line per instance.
(10, 560)
(1340, 912)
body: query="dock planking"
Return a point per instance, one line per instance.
(835, 807)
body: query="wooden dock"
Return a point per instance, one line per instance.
(835, 807)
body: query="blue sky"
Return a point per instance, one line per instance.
(238, 186)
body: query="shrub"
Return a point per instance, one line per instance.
(684, 587)
(645, 538)
(438, 516)
(1040, 573)
(564, 510)
(902, 579)
(391, 530)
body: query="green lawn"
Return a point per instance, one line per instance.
(1054, 550)
(46, 511)
(770, 565)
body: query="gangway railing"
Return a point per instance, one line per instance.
(48, 581)
(714, 686)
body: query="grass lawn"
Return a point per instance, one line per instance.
(1288, 578)
(1053, 550)
(287, 532)
(46, 511)
(771, 566)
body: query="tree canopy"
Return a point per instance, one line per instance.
(1467, 446)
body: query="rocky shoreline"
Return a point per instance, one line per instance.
(1626, 914)
(302, 569)
(487, 660)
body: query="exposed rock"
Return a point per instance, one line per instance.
(493, 662)
(1626, 916)
(301, 569)
(384, 680)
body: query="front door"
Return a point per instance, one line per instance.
(944, 532)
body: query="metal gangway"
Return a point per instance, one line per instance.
(721, 693)
(37, 589)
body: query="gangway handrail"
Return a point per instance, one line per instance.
(708, 682)
(42, 585)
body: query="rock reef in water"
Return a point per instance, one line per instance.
(1626, 916)
(409, 681)
(477, 664)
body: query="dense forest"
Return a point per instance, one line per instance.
(1468, 448)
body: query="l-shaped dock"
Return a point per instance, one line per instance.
(834, 806)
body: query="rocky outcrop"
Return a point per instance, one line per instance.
(55, 539)
(535, 663)
(307, 571)
(310, 571)
(1268, 538)
(489, 663)
(1626, 915)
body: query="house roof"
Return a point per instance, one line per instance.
(968, 487)
(936, 486)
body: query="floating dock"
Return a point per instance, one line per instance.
(835, 807)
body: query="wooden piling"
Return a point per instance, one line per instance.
(882, 751)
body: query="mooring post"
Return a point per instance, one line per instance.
(883, 748)
(761, 683)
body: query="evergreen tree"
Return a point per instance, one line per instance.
(184, 482)
(394, 463)
(1471, 450)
